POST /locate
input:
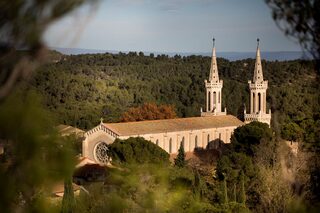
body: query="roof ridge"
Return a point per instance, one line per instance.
(172, 125)
(158, 120)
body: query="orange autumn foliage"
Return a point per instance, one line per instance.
(149, 111)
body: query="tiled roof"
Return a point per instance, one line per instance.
(82, 161)
(173, 125)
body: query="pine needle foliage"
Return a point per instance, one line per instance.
(180, 160)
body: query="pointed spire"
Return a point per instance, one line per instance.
(214, 76)
(258, 75)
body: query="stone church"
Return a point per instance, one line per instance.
(214, 125)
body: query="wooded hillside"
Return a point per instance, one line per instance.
(80, 89)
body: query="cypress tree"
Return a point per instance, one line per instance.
(242, 198)
(225, 191)
(235, 193)
(68, 202)
(197, 185)
(180, 160)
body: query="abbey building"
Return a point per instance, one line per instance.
(212, 128)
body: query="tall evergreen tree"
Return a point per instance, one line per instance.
(225, 191)
(68, 202)
(235, 193)
(180, 160)
(197, 185)
(242, 198)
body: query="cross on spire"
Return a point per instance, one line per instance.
(258, 75)
(214, 76)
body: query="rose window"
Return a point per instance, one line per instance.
(101, 153)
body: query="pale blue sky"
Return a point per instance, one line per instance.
(171, 26)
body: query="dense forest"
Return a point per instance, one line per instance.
(80, 89)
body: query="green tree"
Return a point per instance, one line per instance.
(180, 160)
(225, 191)
(242, 197)
(247, 137)
(292, 132)
(68, 201)
(199, 188)
(234, 192)
(129, 151)
(231, 163)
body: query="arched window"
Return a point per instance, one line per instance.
(259, 101)
(182, 142)
(214, 98)
(196, 141)
(254, 102)
(264, 102)
(170, 145)
(208, 138)
(157, 142)
(209, 101)
(219, 98)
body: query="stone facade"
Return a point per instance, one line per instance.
(197, 132)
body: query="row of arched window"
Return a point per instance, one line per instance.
(170, 144)
(182, 142)
(260, 100)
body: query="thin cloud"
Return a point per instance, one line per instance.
(164, 5)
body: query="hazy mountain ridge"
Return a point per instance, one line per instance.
(232, 56)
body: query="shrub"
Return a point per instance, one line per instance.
(246, 137)
(137, 150)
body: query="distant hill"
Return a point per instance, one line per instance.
(269, 56)
(232, 56)
(54, 56)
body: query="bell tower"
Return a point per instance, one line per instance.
(213, 89)
(258, 93)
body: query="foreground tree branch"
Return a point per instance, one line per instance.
(22, 25)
